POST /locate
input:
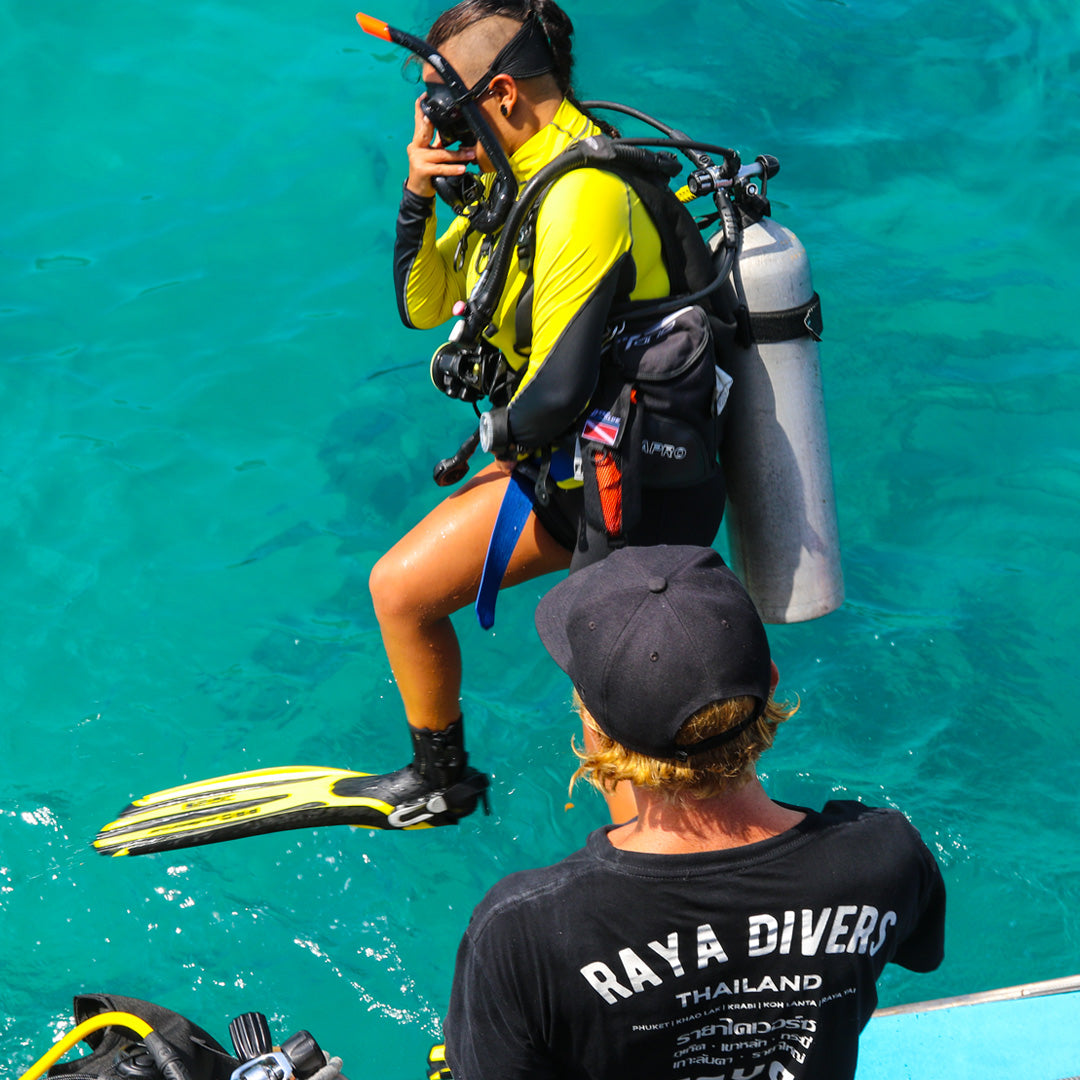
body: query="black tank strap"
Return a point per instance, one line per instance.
(769, 327)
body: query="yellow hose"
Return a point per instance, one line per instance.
(78, 1033)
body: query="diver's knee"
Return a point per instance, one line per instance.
(388, 583)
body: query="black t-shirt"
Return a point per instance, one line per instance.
(758, 961)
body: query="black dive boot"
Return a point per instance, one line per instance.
(437, 787)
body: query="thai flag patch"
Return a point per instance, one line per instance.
(602, 427)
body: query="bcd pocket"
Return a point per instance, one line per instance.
(653, 421)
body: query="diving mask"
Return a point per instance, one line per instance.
(443, 108)
(526, 55)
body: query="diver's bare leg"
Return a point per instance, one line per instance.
(435, 570)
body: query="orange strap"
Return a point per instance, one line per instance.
(609, 483)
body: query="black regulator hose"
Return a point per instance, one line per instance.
(696, 151)
(169, 1062)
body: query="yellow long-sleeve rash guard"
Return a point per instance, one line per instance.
(590, 225)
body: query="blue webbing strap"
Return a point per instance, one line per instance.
(514, 510)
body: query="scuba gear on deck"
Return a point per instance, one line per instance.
(131, 1039)
(298, 1056)
(436, 788)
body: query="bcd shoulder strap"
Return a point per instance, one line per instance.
(686, 256)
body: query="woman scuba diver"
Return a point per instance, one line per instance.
(595, 245)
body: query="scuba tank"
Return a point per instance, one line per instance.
(781, 511)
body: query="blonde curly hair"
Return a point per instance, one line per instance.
(714, 772)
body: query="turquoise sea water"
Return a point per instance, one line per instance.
(213, 425)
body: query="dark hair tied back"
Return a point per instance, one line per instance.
(560, 33)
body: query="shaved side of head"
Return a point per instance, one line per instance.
(473, 50)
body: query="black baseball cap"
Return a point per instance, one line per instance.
(650, 635)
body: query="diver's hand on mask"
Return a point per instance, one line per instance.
(427, 161)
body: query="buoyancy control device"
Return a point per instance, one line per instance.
(781, 512)
(131, 1039)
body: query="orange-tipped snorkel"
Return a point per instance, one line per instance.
(418, 46)
(374, 27)
(377, 28)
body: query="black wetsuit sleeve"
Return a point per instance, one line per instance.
(559, 391)
(584, 258)
(412, 220)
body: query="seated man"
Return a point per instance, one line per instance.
(719, 934)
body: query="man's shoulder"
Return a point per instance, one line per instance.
(852, 828)
(850, 814)
(536, 889)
